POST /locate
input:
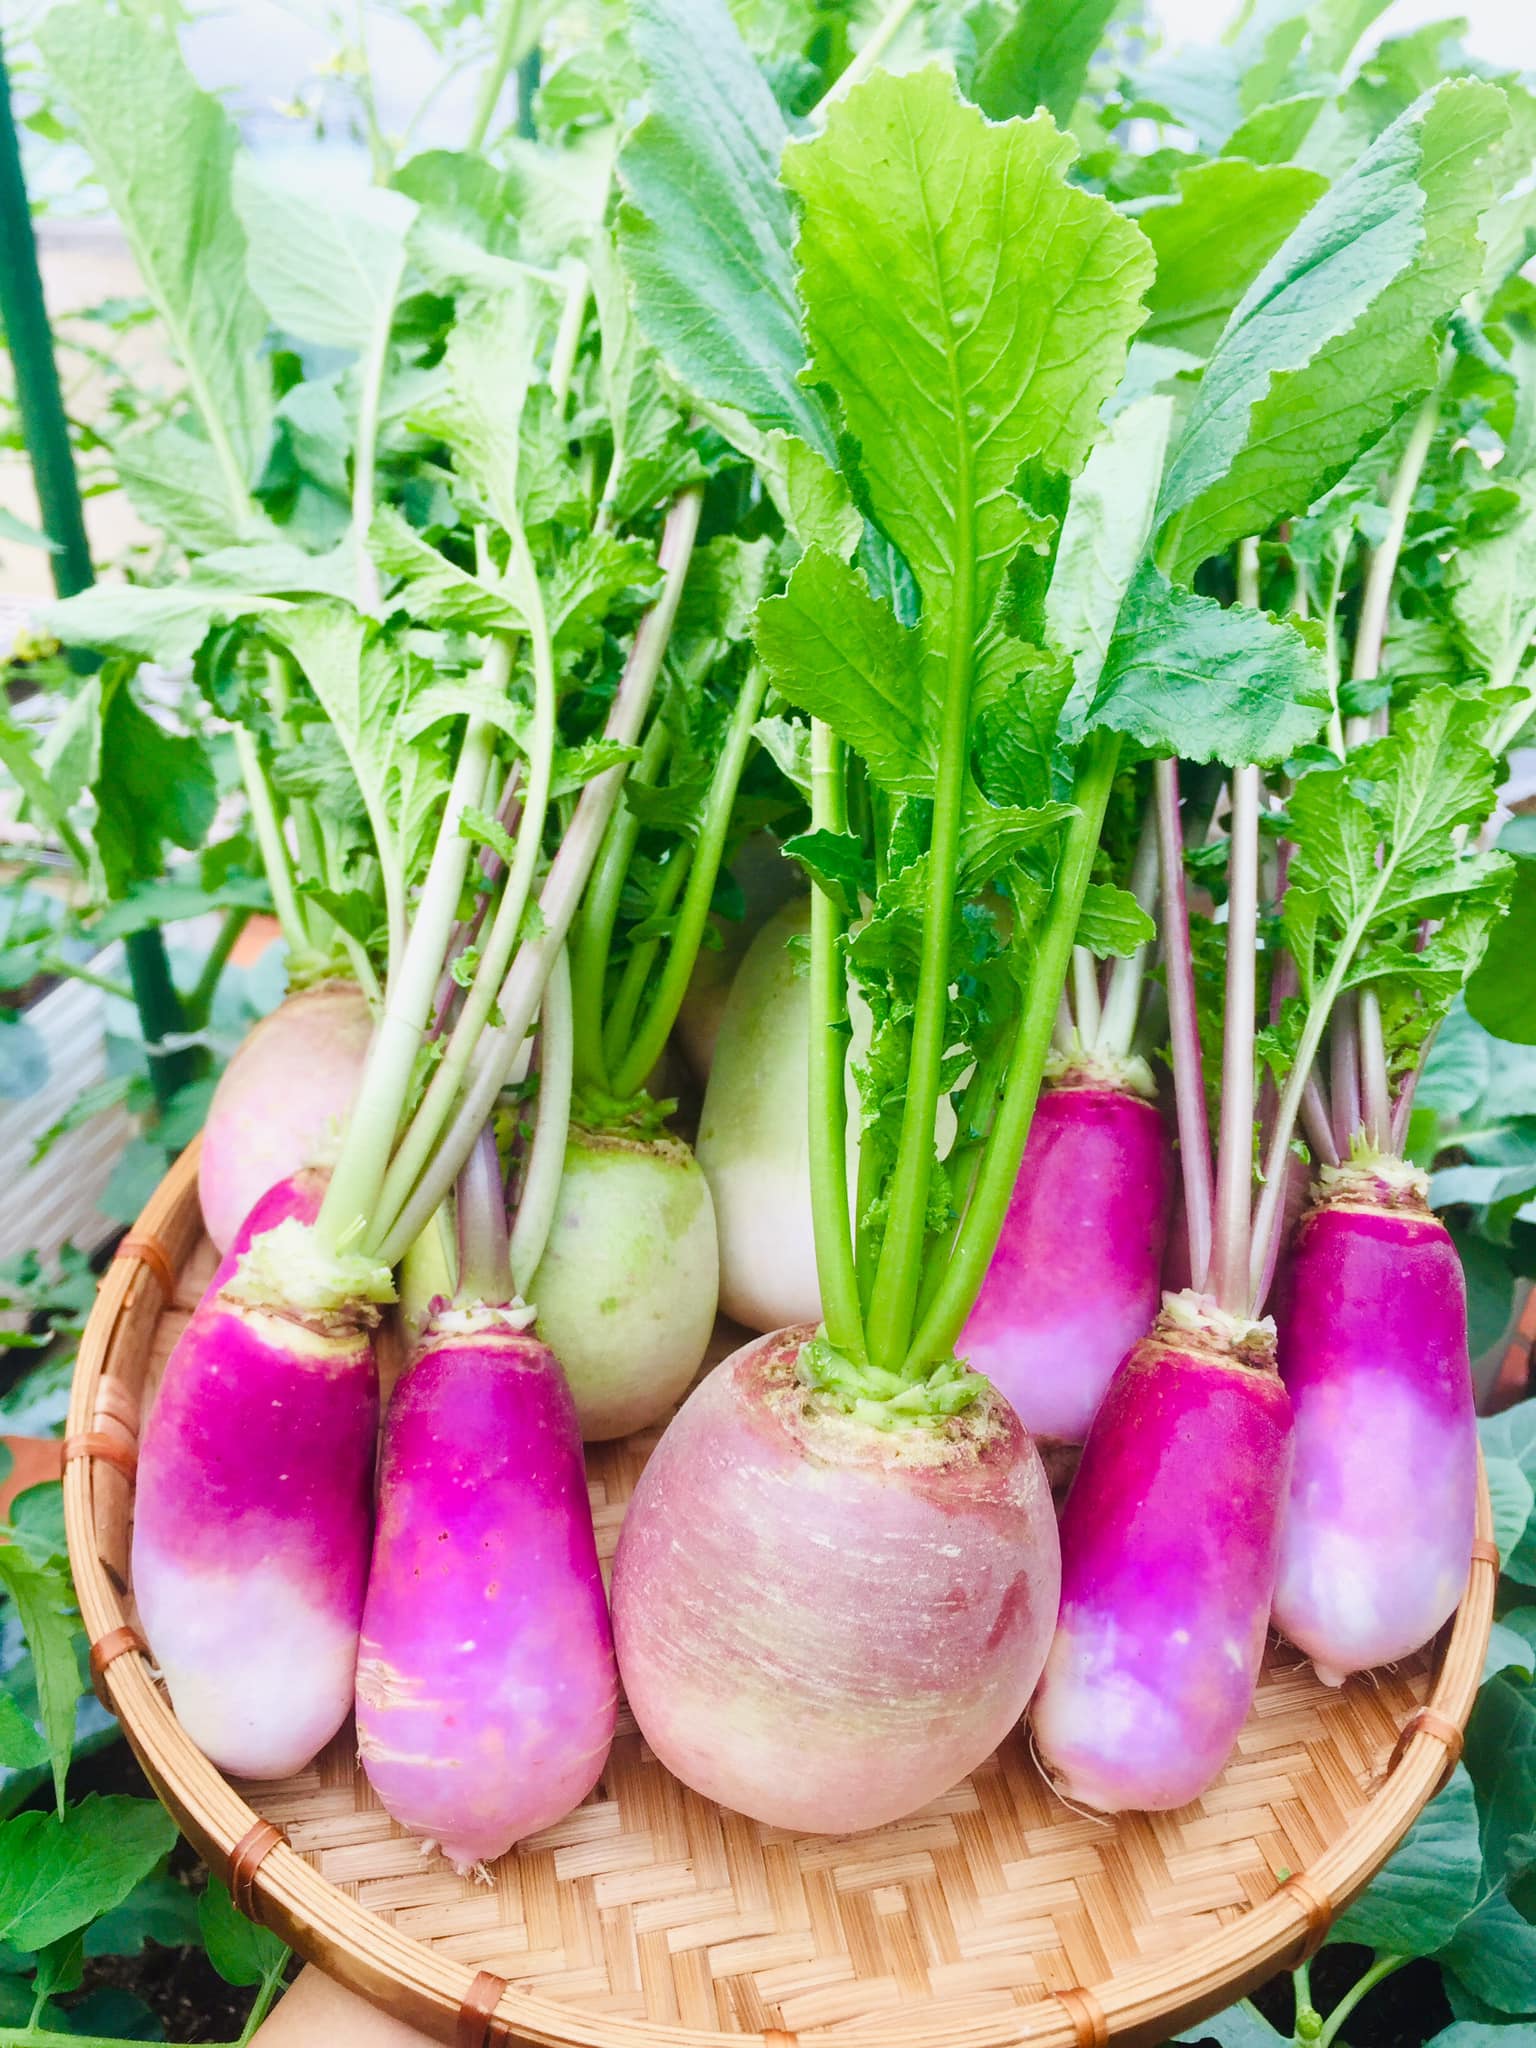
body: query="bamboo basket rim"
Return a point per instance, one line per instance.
(1141, 2003)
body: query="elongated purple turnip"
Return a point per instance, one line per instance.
(1169, 1550)
(752, 1608)
(282, 1101)
(627, 1286)
(251, 1528)
(486, 1688)
(1377, 1535)
(1075, 1279)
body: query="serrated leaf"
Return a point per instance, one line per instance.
(22, 1748)
(165, 623)
(435, 591)
(1214, 238)
(1189, 677)
(155, 788)
(836, 863)
(971, 310)
(834, 650)
(714, 285)
(1337, 333)
(1041, 59)
(325, 259)
(1501, 994)
(158, 1909)
(57, 1872)
(164, 152)
(1113, 923)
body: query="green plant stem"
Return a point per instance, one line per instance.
(898, 1275)
(1376, 600)
(1375, 1084)
(29, 340)
(504, 54)
(301, 812)
(872, 50)
(355, 1185)
(703, 873)
(274, 848)
(1127, 976)
(379, 153)
(198, 1000)
(365, 456)
(619, 1027)
(600, 911)
(976, 1241)
(540, 1192)
(563, 886)
(1383, 1967)
(840, 1307)
(68, 970)
(415, 1147)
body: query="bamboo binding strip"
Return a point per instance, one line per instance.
(651, 1919)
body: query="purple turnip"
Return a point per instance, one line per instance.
(282, 1101)
(765, 1659)
(1074, 1282)
(251, 1527)
(486, 1688)
(1169, 1545)
(1377, 1535)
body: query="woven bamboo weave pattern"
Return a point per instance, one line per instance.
(649, 1916)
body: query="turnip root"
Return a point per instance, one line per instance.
(626, 1289)
(822, 1623)
(486, 1688)
(282, 1100)
(251, 1527)
(1074, 1282)
(1377, 1536)
(754, 1143)
(1170, 1540)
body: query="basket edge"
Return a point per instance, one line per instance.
(406, 1976)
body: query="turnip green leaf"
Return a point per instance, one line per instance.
(1433, 1881)
(1337, 333)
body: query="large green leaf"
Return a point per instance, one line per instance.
(155, 788)
(1212, 240)
(1187, 676)
(1493, 1953)
(164, 152)
(706, 232)
(971, 311)
(1501, 1755)
(326, 261)
(1417, 1903)
(1042, 58)
(1337, 333)
(59, 1871)
(164, 622)
(241, 1952)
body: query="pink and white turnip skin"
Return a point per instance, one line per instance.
(251, 1530)
(822, 1623)
(1170, 1543)
(1377, 1536)
(486, 1688)
(1076, 1276)
(282, 1100)
(298, 1195)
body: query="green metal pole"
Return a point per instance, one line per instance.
(24, 317)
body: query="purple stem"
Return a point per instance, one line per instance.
(485, 1271)
(1344, 1083)
(1402, 1109)
(1316, 1121)
(1234, 1149)
(1184, 1029)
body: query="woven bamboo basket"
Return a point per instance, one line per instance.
(652, 1919)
